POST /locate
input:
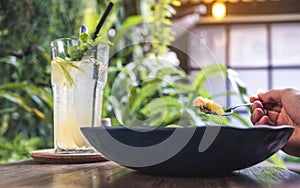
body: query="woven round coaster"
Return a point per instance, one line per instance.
(49, 156)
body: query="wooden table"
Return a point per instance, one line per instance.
(108, 174)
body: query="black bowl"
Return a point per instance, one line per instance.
(188, 151)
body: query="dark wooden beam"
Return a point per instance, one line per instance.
(266, 7)
(253, 8)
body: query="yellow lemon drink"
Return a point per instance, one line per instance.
(77, 100)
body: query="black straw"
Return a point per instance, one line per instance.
(102, 20)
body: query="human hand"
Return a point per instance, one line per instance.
(279, 107)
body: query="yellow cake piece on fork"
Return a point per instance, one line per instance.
(208, 106)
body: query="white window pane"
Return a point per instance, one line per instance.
(285, 44)
(248, 46)
(286, 78)
(255, 81)
(207, 46)
(216, 86)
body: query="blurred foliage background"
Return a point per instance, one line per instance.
(147, 77)
(26, 29)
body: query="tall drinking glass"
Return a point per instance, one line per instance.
(78, 78)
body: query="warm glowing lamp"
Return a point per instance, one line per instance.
(219, 10)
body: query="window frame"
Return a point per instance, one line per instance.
(269, 68)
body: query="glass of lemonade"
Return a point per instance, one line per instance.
(78, 79)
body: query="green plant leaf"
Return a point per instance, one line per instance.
(8, 110)
(161, 73)
(201, 78)
(160, 110)
(205, 73)
(12, 60)
(180, 88)
(242, 120)
(104, 40)
(117, 106)
(277, 161)
(238, 85)
(157, 105)
(147, 90)
(176, 3)
(42, 93)
(15, 98)
(19, 86)
(84, 37)
(19, 100)
(133, 20)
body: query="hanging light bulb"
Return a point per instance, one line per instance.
(219, 10)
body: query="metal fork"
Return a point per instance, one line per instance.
(227, 111)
